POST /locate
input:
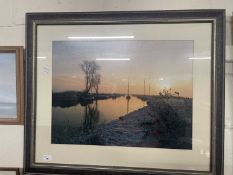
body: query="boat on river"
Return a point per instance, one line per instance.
(128, 96)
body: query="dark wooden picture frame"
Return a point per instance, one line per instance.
(19, 52)
(16, 170)
(214, 17)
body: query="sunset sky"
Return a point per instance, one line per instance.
(162, 64)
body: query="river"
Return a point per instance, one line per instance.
(92, 115)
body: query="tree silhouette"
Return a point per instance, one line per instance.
(95, 82)
(90, 69)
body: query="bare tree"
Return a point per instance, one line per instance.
(90, 69)
(95, 82)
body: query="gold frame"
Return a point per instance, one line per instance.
(16, 170)
(18, 50)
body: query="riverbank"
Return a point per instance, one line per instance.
(166, 122)
(72, 98)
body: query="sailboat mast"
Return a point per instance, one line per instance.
(144, 87)
(128, 97)
(149, 88)
(128, 87)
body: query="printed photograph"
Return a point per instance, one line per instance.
(131, 93)
(7, 85)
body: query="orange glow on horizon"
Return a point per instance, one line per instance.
(117, 85)
(151, 66)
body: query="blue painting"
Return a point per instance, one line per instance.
(8, 85)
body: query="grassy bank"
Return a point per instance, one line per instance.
(163, 123)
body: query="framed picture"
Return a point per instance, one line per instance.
(11, 85)
(9, 171)
(110, 93)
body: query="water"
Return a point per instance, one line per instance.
(67, 121)
(7, 110)
(108, 110)
(100, 123)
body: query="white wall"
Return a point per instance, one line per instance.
(12, 32)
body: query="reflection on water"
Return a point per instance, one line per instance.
(91, 117)
(84, 119)
(109, 109)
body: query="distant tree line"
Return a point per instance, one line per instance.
(166, 92)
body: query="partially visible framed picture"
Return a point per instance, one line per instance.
(9, 171)
(116, 93)
(11, 85)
